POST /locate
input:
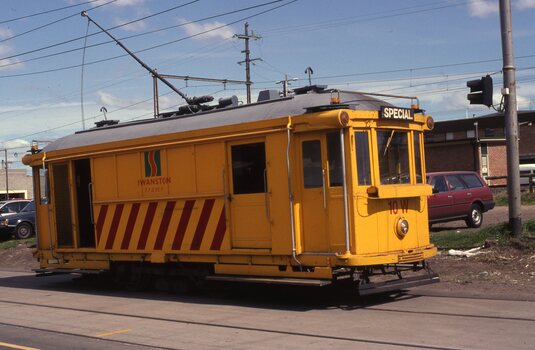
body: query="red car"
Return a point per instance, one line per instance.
(458, 195)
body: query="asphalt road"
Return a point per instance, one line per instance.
(59, 313)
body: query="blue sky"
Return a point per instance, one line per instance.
(424, 48)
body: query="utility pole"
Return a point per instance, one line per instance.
(511, 119)
(248, 60)
(285, 84)
(5, 164)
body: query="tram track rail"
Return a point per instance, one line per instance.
(354, 340)
(298, 334)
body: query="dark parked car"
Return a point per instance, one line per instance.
(12, 206)
(458, 195)
(21, 224)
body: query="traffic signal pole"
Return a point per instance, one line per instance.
(511, 119)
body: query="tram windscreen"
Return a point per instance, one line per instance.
(418, 157)
(393, 156)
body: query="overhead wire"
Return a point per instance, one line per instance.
(429, 92)
(46, 12)
(92, 34)
(361, 18)
(430, 67)
(194, 35)
(152, 47)
(137, 35)
(130, 77)
(51, 23)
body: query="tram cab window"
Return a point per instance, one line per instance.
(334, 155)
(393, 156)
(312, 170)
(418, 157)
(363, 158)
(248, 168)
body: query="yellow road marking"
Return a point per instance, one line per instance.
(14, 346)
(112, 333)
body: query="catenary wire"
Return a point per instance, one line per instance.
(46, 12)
(82, 37)
(149, 48)
(138, 35)
(51, 23)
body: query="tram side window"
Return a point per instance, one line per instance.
(418, 157)
(312, 170)
(43, 186)
(248, 168)
(334, 155)
(363, 158)
(393, 156)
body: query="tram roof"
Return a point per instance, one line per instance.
(289, 106)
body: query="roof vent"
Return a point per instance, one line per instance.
(103, 123)
(306, 89)
(266, 95)
(229, 101)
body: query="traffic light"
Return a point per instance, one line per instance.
(480, 91)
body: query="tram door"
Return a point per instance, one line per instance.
(82, 175)
(249, 197)
(321, 192)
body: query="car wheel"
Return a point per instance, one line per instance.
(475, 216)
(24, 230)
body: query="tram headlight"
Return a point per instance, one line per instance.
(430, 123)
(402, 227)
(343, 118)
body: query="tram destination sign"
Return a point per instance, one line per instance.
(396, 113)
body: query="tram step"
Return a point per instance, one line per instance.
(47, 272)
(397, 284)
(271, 280)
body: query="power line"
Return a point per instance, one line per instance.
(45, 12)
(131, 76)
(152, 47)
(82, 37)
(433, 92)
(361, 18)
(51, 23)
(136, 35)
(37, 28)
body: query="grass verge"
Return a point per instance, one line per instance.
(475, 238)
(526, 198)
(15, 242)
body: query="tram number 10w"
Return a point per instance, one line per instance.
(397, 205)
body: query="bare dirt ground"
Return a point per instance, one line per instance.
(497, 272)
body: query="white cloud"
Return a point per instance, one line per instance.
(5, 33)
(18, 143)
(109, 100)
(112, 102)
(5, 50)
(132, 27)
(210, 28)
(119, 3)
(8, 63)
(482, 8)
(525, 95)
(525, 4)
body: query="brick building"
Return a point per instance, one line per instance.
(478, 144)
(19, 184)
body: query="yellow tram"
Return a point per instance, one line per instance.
(320, 187)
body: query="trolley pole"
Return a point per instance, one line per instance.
(511, 119)
(248, 60)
